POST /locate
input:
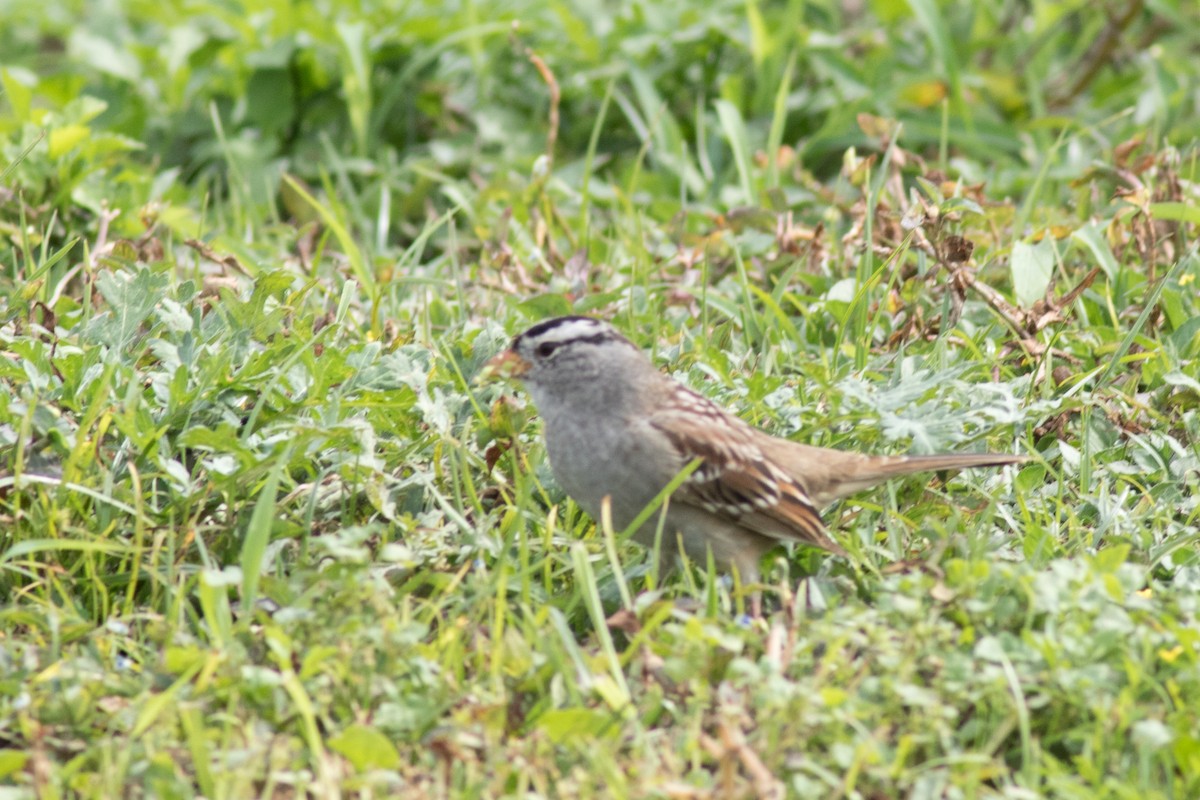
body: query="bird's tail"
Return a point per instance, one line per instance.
(830, 475)
(876, 469)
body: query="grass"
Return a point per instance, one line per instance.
(262, 533)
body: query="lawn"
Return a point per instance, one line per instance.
(265, 531)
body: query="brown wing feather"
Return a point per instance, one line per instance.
(735, 478)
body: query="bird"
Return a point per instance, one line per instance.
(616, 427)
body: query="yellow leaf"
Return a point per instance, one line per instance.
(1169, 656)
(925, 94)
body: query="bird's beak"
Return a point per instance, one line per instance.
(506, 365)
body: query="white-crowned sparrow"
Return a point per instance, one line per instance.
(615, 426)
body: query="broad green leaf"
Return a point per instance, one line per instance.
(739, 142)
(1179, 212)
(131, 298)
(16, 92)
(563, 725)
(258, 534)
(365, 748)
(12, 761)
(1032, 268)
(1092, 237)
(65, 139)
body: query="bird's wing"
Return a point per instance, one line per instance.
(735, 479)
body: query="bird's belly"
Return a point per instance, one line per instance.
(625, 472)
(621, 471)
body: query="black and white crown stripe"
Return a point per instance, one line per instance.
(567, 330)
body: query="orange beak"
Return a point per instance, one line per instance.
(506, 365)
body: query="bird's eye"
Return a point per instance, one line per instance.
(545, 349)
